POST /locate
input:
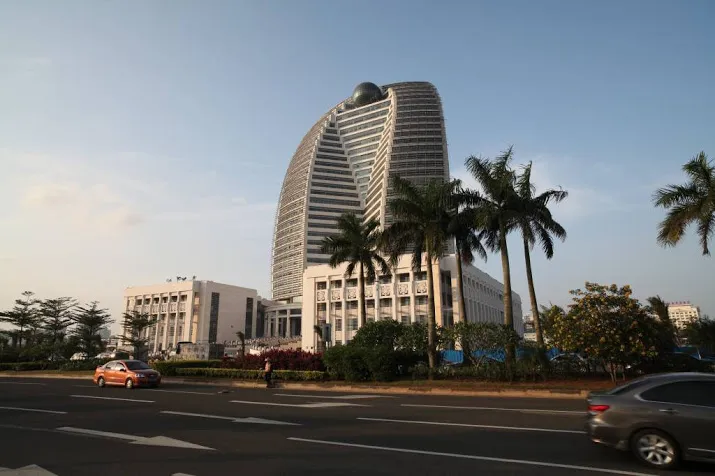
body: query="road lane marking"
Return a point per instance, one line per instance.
(339, 397)
(178, 391)
(469, 425)
(22, 383)
(302, 405)
(31, 470)
(232, 419)
(113, 398)
(37, 410)
(472, 457)
(136, 440)
(520, 410)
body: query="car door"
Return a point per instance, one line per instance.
(114, 376)
(686, 410)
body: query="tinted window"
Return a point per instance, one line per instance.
(136, 365)
(686, 393)
(627, 387)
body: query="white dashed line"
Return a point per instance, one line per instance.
(469, 425)
(112, 398)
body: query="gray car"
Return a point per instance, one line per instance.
(663, 419)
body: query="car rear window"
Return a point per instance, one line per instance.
(627, 387)
(136, 365)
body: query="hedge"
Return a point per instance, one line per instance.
(169, 368)
(68, 366)
(243, 374)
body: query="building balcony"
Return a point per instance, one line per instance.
(321, 295)
(370, 291)
(421, 287)
(385, 290)
(351, 294)
(336, 294)
(164, 307)
(403, 289)
(154, 308)
(172, 307)
(182, 306)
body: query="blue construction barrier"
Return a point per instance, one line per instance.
(457, 356)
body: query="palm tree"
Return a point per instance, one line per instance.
(358, 245)
(693, 202)
(242, 339)
(421, 225)
(498, 210)
(468, 241)
(537, 224)
(659, 307)
(319, 334)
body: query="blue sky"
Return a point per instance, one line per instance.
(141, 140)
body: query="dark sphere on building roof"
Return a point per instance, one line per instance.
(365, 93)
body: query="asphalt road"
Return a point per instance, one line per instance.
(72, 428)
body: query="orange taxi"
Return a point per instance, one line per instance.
(127, 373)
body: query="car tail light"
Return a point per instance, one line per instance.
(598, 408)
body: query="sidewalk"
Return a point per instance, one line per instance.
(561, 390)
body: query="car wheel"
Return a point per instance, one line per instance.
(129, 383)
(655, 449)
(101, 382)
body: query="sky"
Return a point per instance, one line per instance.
(145, 140)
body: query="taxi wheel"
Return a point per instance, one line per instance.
(101, 382)
(129, 384)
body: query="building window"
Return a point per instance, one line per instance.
(386, 302)
(336, 283)
(404, 301)
(404, 277)
(321, 285)
(322, 307)
(338, 325)
(421, 300)
(352, 324)
(183, 297)
(174, 298)
(249, 318)
(213, 317)
(405, 319)
(351, 283)
(385, 279)
(421, 276)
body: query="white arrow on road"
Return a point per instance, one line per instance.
(137, 440)
(31, 470)
(233, 419)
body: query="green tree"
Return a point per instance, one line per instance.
(135, 325)
(691, 203)
(242, 339)
(537, 225)
(414, 338)
(358, 245)
(607, 324)
(24, 316)
(498, 210)
(468, 241)
(89, 320)
(701, 333)
(482, 336)
(56, 316)
(421, 219)
(668, 334)
(386, 334)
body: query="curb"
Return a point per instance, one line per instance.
(386, 390)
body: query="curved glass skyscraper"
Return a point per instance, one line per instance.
(344, 163)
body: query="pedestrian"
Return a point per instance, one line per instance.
(268, 372)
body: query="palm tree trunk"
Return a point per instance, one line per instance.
(508, 310)
(431, 325)
(534, 305)
(362, 316)
(460, 284)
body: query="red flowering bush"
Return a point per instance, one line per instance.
(281, 360)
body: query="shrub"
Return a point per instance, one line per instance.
(76, 365)
(27, 366)
(358, 364)
(280, 359)
(249, 374)
(168, 368)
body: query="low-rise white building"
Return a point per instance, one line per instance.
(331, 298)
(194, 311)
(682, 313)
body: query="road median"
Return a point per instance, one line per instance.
(561, 390)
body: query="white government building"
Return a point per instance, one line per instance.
(344, 163)
(682, 313)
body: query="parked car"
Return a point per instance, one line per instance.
(663, 419)
(127, 373)
(79, 356)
